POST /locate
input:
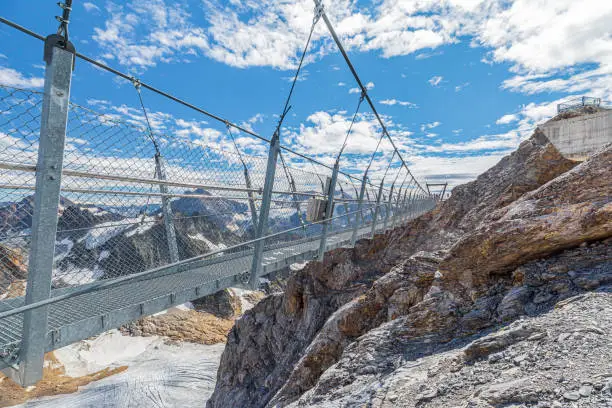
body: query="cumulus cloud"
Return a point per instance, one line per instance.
(369, 85)
(506, 119)
(12, 77)
(142, 33)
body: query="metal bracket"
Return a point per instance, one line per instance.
(58, 41)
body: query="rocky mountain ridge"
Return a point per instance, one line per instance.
(513, 243)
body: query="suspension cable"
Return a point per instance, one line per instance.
(320, 13)
(287, 107)
(350, 128)
(389, 166)
(363, 88)
(397, 175)
(231, 135)
(292, 188)
(136, 84)
(62, 30)
(374, 154)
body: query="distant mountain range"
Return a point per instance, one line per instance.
(94, 242)
(108, 241)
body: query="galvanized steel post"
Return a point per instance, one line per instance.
(346, 207)
(359, 218)
(58, 75)
(167, 210)
(405, 206)
(396, 209)
(377, 209)
(252, 208)
(329, 210)
(388, 211)
(264, 212)
(411, 206)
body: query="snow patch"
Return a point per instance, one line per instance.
(212, 246)
(298, 266)
(102, 233)
(158, 375)
(103, 255)
(143, 227)
(76, 276)
(62, 249)
(89, 356)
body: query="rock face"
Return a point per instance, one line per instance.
(181, 325)
(513, 243)
(224, 304)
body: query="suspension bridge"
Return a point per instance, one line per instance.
(104, 221)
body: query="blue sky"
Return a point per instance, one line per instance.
(460, 82)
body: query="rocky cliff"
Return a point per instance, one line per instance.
(374, 325)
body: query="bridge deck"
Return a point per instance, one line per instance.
(86, 315)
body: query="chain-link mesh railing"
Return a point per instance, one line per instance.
(110, 220)
(150, 217)
(19, 133)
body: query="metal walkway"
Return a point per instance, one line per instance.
(108, 216)
(89, 314)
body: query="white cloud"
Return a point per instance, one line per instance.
(435, 80)
(90, 6)
(540, 39)
(504, 142)
(506, 119)
(393, 102)
(11, 77)
(341, 84)
(431, 125)
(142, 33)
(369, 85)
(454, 170)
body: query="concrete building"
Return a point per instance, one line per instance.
(580, 133)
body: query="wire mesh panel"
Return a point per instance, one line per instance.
(113, 222)
(19, 132)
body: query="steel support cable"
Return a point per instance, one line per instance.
(388, 167)
(334, 35)
(348, 133)
(167, 95)
(229, 131)
(143, 84)
(397, 176)
(403, 181)
(292, 187)
(318, 176)
(136, 84)
(287, 107)
(62, 30)
(247, 179)
(373, 154)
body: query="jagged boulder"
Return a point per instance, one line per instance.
(224, 304)
(573, 208)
